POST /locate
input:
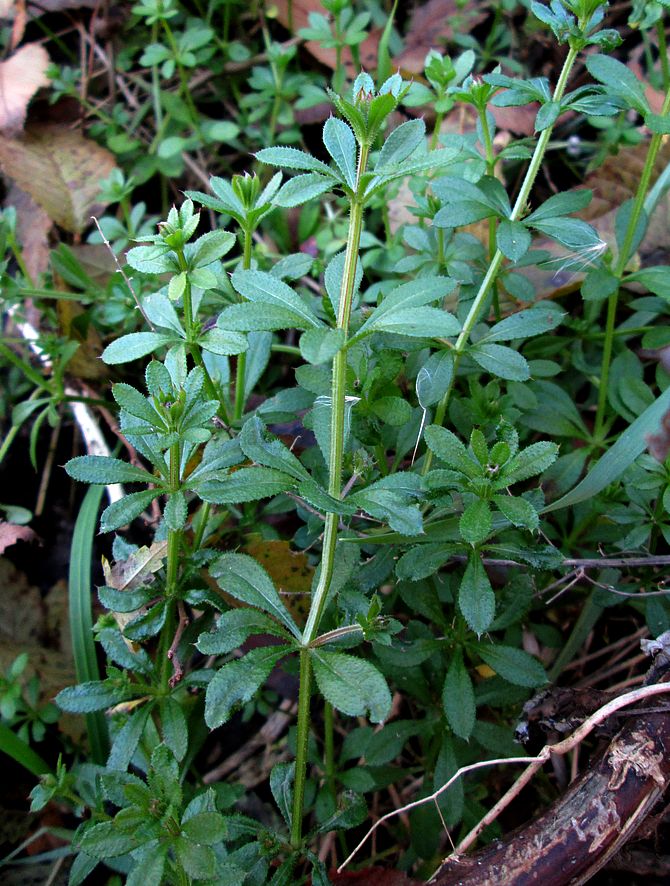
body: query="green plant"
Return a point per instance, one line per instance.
(425, 391)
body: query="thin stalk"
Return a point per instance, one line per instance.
(172, 571)
(435, 137)
(241, 367)
(494, 266)
(191, 330)
(663, 53)
(490, 170)
(203, 517)
(337, 427)
(183, 78)
(329, 747)
(302, 740)
(620, 267)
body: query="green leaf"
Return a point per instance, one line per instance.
(352, 685)
(500, 361)
(340, 143)
(320, 345)
(395, 411)
(250, 318)
(476, 522)
(579, 237)
(210, 247)
(561, 204)
(176, 511)
(266, 450)
(292, 158)
(119, 513)
(303, 188)
(238, 681)
(100, 469)
(246, 580)
(513, 239)
(458, 698)
(619, 80)
(222, 342)
(528, 463)
(417, 323)
(402, 142)
(599, 284)
(245, 484)
(618, 457)
(282, 778)
(175, 728)
(656, 280)
(148, 866)
(199, 862)
(434, 378)
(234, 628)
(127, 739)
(413, 294)
(205, 828)
(157, 259)
(19, 750)
(104, 840)
(476, 599)
(518, 511)
(447, 447)
(535, 321)
(135, 345)
(547, 115)
(94, 695)
(258, 286)
(334, 276)
(513, 665)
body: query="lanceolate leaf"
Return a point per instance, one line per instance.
(259, 286)
(101, 469)
(352, 685)
(246, 580)
(135, 345)
(618, 457)
(238, 681)
(341, 145)
(476, 599)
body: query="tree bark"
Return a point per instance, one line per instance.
(580, 832)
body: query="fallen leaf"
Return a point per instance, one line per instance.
(32, 230)
(21, 75)
(431, 26)
(138, 569)
(615, 182)
(45, 6)
(86, 362)
(10, 533)
(61, 170)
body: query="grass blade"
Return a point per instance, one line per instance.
(19, 750)
(81, 616)
(618, 457)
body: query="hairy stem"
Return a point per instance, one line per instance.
(337, 433)
(241, 367)
(496, 262)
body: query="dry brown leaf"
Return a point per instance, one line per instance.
(44, 6)
(60, 169)
(32, 229)
(431, 26)
(21, 76)
(328, 57)
(615, 182)
(10, 533)
(86, 362)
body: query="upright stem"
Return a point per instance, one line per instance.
(337, 427)
(194, 348)
(241, 367)
(494, 266)
(174, 543)
(620, 267)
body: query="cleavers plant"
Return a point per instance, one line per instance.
(380, 487)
